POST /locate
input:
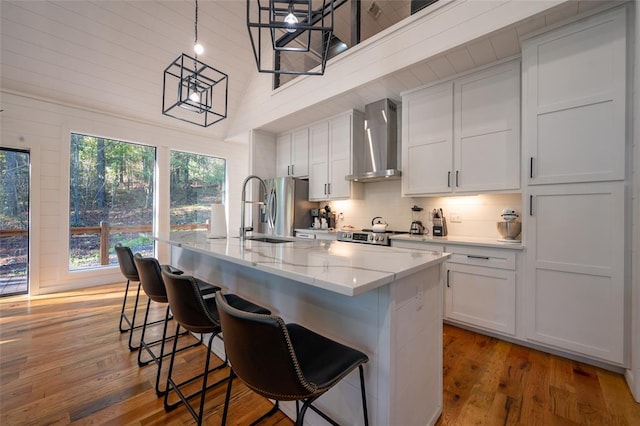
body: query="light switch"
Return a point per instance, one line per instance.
(455, 217)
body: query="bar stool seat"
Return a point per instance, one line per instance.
(284, 362)
(197, 315)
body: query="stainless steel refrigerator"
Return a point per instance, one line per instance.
(288, 204)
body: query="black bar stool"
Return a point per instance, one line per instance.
(154, 288)
(291, 363)
(130, 272)
(197, 315)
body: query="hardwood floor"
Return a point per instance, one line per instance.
(62, 361)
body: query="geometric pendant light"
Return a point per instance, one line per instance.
(193, 91)
(295, 35)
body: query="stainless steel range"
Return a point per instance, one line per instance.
(366, 236)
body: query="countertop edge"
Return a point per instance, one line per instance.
(463, 241)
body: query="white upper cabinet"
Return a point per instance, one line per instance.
(427, 140)
(318, 160)
(574, 94)
(331, 147)
(486, 142)
(292, 153)
(463, 135)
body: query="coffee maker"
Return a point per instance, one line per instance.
(323, 218)
(315, 218)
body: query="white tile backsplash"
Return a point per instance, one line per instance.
(478, 213)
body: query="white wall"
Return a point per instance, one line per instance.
(633, 374)
(44, 128)
(478, 213)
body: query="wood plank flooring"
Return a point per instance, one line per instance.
(62, 361)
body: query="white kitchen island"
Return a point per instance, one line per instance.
(384, 301)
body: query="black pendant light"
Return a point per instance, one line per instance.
(298, 34)
(193, 91)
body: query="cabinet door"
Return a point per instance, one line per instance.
(300, 153)
(487, 129)
(318, 161)
(283, 155)
(575, 268)
(483, 297)
(340, 156)
(574, 102)
(427, 133)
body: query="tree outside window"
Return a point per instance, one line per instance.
(196, 182)
(111, 200)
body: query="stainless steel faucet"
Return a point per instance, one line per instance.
(245, 229)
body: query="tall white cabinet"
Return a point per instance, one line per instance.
(574, 125)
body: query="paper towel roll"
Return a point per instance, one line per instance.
(217, 222)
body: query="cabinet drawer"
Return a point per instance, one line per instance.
(502, 259)
(417, 245)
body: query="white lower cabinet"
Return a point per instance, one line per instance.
(575, 261)
(482, 297)
(480, 285)
(480, 288)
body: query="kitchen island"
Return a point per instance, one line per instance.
(384, 301)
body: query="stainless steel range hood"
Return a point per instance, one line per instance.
(380, 149)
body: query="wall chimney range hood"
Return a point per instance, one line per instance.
(379, 155)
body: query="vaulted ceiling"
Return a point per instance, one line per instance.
(109, 56)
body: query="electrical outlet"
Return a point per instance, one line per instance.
(455, 217)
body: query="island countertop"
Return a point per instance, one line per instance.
(345, 268)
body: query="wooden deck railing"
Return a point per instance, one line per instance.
(104, 230)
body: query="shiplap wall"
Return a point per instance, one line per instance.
(453, 37)
(44, 128)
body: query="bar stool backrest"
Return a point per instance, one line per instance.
(260, 351)
(187, 304)
(125, 260)
(151, 278)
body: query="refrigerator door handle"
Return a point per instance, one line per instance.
(272, 209)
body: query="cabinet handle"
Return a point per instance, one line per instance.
(530, 205)
(470, 256)
(457, 178)
(329, 186)
(288, 170)
(325, 189)
(449, 179)
(531, 167)
(448, 285)
(292, 172)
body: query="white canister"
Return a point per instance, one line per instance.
(217, 222)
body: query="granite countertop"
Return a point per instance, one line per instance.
(346, 268)
(468, 241)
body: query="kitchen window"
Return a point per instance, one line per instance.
(111, 200)
(195, 183)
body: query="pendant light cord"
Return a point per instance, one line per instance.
(196, 23)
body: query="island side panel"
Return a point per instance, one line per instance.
(362, 322)
(416, 358)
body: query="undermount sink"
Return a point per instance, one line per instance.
(268, 240)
